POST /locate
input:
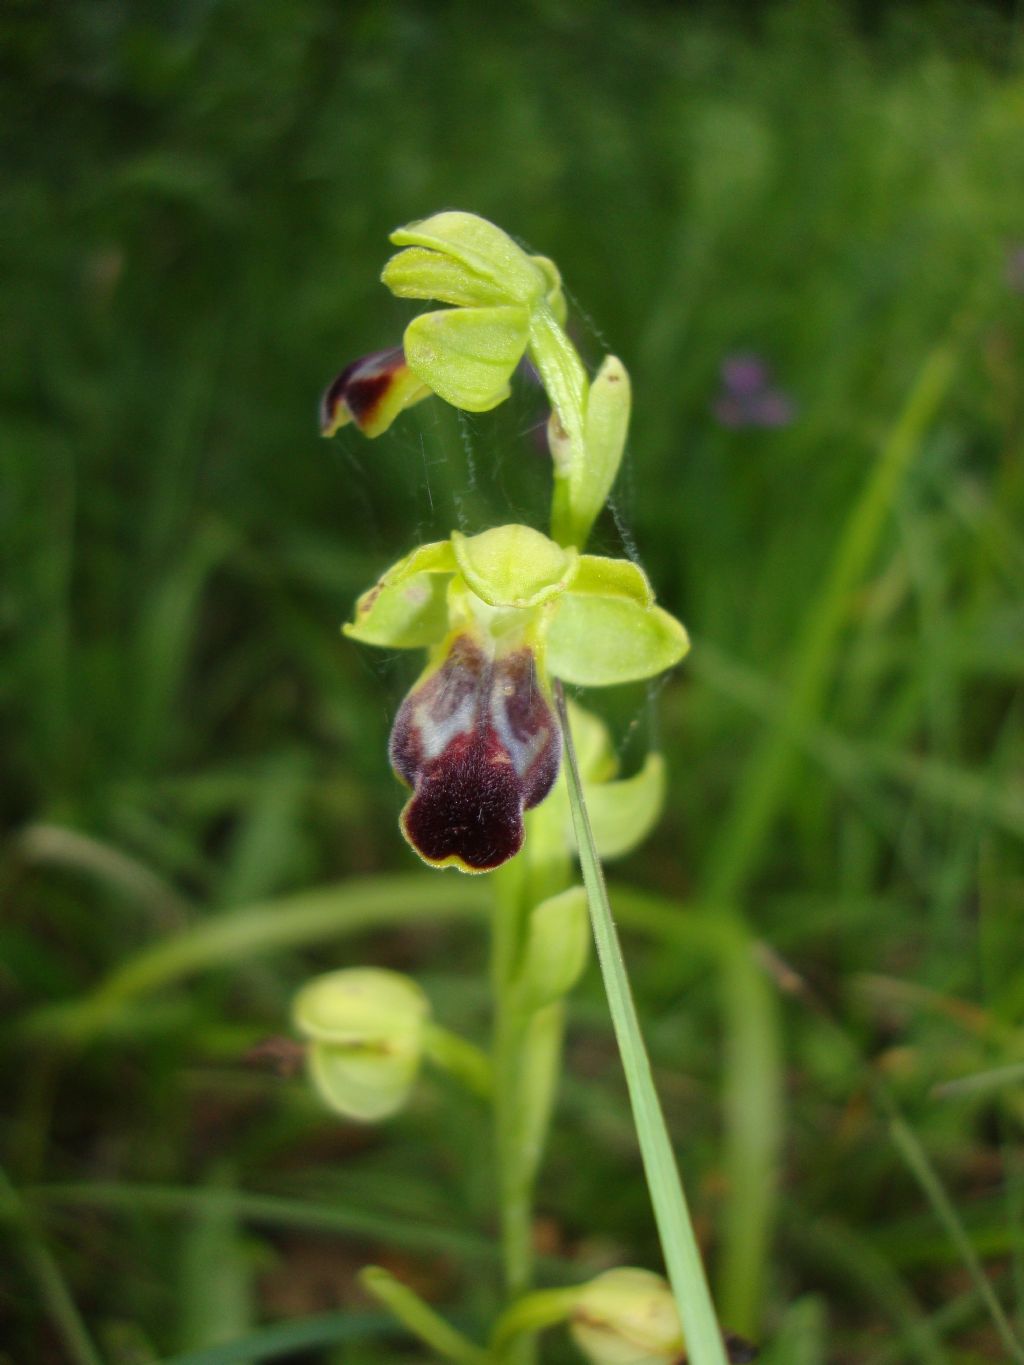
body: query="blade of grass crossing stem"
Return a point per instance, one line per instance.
(675, 1228)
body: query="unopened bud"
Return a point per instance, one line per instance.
(365, 1028)
(556, 947)
(628, 1317)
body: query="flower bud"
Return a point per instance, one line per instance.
(628, 1317)
(365, 1028)
(557, 942)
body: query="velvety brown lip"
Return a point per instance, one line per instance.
(478, 743)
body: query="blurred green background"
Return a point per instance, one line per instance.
(195, 216)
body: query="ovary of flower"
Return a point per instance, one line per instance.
(476, 738)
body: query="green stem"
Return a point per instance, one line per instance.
(535, 1313)
(675, 1227)
(420, 1319)
(527, 1056)
(514, 1184)
(460, 1058)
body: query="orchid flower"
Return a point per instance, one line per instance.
(501, 614)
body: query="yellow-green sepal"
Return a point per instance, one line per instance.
(467, 355)
(622, 813)
(595, 753)
(418, 273)
(513, 566)
(613, 578)
(595, 640)
(482, 248)
(408, 607)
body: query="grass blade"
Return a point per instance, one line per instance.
(675, 1228)
(46, 1273)
(287, 1338)
(917, 1161)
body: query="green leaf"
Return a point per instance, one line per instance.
(623, 813)
(558, 938)
(418, 273)
(599, 641)
(216, 1293)
(287, 1338)
(407, 608)
(513, 566)
(482, 248)
(467, 355)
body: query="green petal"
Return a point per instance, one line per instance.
(607, 422)
(467, 355)
(408, 607)
(513, 566)
(613, 578)
(599, 641)
(482, 248)
(417, 273)
(553, 284)
(623, 813)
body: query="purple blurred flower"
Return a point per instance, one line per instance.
(1015, 267)
(748, 398)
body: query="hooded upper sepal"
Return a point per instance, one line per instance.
(514, 566)
(418, 273)
(483, 250)
(478, 742)
(407, 608)
(371, 392)
(622, 813)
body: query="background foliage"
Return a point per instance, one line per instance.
(191, 246)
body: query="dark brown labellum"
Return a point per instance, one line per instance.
(478, 743)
